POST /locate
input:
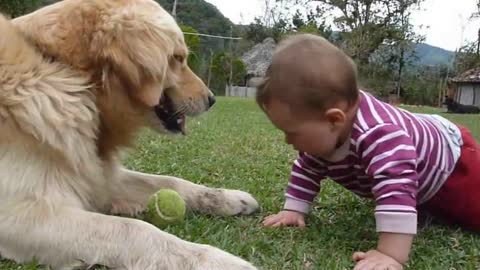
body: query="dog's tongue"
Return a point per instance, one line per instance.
(181, 121)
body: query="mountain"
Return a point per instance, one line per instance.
(201, 15)
(431, 55)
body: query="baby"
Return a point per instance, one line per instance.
(403, 161)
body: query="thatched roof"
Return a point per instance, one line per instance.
(470, 76)
(259, 57)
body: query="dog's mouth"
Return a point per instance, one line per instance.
(172, 119)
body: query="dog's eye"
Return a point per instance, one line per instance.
(179, 58)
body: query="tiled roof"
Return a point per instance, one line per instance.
(472, 75)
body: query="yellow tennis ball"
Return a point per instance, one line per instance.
(165, 207)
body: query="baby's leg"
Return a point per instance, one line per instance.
(457, 201)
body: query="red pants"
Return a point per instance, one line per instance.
(458, 201)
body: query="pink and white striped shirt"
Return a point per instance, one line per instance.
(398, 158)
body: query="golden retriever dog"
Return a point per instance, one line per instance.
(78, 80)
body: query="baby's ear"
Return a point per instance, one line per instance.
(336, 117)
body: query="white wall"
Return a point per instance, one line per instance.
(241, 91)
(466, 94)
(476, 88)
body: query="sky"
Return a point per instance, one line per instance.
(446, 23)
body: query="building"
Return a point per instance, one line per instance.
(465, 88)
(257, 61)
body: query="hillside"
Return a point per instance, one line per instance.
(431, 55)
(203, 16)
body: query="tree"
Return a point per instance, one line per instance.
(312, 22)
(278, 21)
(366, 24)
(221, 71)
(467, 58)
(421, 85)
(206, 18)
(257, 32)
(476, 13)
(193, 42)
(398, 50)
(15, 8)
(239, 71)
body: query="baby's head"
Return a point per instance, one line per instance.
(310, 93)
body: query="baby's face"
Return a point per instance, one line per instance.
(312, 133)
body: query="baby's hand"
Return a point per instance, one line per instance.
(374, 260)
(285, 218)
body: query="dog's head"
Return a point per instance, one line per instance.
(142, 48)
(134, 50)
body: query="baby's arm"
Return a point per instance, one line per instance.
(285, 218)
(304, 185)
(390, 158)
(395, 245)
(391, 253)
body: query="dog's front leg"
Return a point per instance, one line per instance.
(133, 190)
(62, 237)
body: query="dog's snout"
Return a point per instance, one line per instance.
(211, 101)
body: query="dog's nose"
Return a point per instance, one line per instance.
(211, 101)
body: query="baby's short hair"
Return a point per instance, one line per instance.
(309, 71)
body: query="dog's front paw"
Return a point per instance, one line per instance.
(216, 259)
(224, 202)
(126, 208)
(238, 203)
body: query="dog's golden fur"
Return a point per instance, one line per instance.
(78, 79)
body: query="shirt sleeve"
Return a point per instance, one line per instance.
(390, 158)
(304, 184)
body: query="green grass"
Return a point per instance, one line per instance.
(234, 146)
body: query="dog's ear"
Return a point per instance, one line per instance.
(137, 49)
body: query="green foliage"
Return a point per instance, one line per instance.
(367, 24)
(204, 16)
(220, 72)
(193, 43)
(239, 71)
(467, 57)
(206, 19)
(311, 21)
(221, 63)
(257, 32)
(15, 8)
(376, 78)
(421, 86)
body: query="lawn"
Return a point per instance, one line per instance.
(234, 146)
